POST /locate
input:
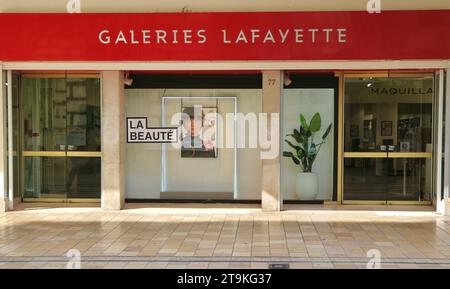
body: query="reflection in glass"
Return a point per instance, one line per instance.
(16, 135)
(60, 115)
(44, 177)
(379, 179)
(385, 116)
(44, 113)
(388, 111)
(83, 114)
(83, 177)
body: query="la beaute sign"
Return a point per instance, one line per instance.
(139, 132)
(226, 36)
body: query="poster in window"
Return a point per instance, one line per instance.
(386, 128)
(199, 132)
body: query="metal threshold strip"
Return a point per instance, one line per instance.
(61, 200)
(84, 154)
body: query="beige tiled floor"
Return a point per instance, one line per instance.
(223, 236)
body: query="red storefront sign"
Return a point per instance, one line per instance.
(225, 36)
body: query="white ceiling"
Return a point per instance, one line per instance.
(216, 5)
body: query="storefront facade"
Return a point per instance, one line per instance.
(273, 107)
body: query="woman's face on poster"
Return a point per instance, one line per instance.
(193, 125)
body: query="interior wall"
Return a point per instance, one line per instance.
(143, 161)
(360, 103)
(308, 102)
(206, 175)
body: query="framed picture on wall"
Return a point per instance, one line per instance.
(354, 131)
(199, 131)
(386, 128)
(404, 146)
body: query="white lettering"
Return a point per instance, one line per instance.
(283, 36)
(298, 35)
(121, 38)
(241, 37)
(161, 36)
(225, 40)
(327, 31)
(133, 41)
(146, 36)
(201, 35)
(106, 39)
(313, 34)
(341, 35)
(187, 36)
(255, 34)
(269, 36)
(175, 41)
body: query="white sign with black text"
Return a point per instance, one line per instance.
(138, 132)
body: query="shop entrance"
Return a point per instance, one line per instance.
(388, 139)
(59, 140)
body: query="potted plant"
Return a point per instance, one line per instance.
(305, 152)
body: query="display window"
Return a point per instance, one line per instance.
(207, 162)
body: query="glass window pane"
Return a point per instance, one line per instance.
(403, 179)
(44, 177)
(44, 113)
(83, 177)
(83, 114)
(388, 111)
(60, 114)
(193, 177)
(390, 118)
(16, 135)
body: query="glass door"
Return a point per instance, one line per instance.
(388, 139)
(61, 136)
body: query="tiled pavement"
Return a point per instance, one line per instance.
(223, 236)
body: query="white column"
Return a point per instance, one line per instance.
(271, 198)
(113, 141)
(3, 145)
(10, 148)
(447, 147)
(440, 203)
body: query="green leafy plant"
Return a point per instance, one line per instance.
(303, 143)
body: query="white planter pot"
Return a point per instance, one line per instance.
(307, 186)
